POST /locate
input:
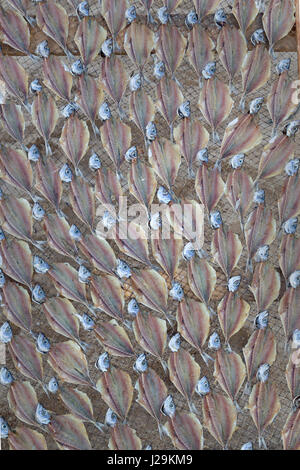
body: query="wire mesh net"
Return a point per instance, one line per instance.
(184, 188)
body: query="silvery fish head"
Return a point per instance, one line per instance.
(6, 377)
(2, 279)
(214, 341)
(5, 333)
(263, 373)
(283, 66)
(237, 161)
(151, 131)
(220, 18)
(133, 307)
(40, 266)
(77, 67)
(53, 385)
(295, 279)
(262, 254)
(184, 110)
(123, 270)
(259, 196)
(38, 212)
(296, 338)
(202, 387)
(35, 86)
(84, 274)
(163, 15)
(131, 154)
(38, 294)
(168, 407)
(155, 221)
(43, 49)
(176, 292)
(108, 220)
(42, 415)
(247, 446)
(33, 153)
(159, 69)
(258, 37)
(94, 162)
(191, 18)
(87, 322)
(141, 364)
(291, 168)
(103, 362)
(188, 251)
(75, 232)
(70, 109)
(216, 219)
(234, 283)
(107, 47)
(83, 9)
(148, 447)
(202, 155)
(42, 344)
(262, 320)
(163, 195)
(111, 418)
(104, 111)
(4, 428)
(135, 82)
(256, 105)
(175, 342)
(130, 14)
(2, 236)
(292, 128)
(209, 70)
(290, 226)
(65, 173)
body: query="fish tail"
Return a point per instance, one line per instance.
(60, 214)
(274, 131)
(95, 129)
(48, 148)
(161, 430)
(232, 89)
(99, 426)
(44, 387)
(36, 198)
(247, 389)
(169, 319)
(119, 175)
(191, 173)
(177, 81)
(262, 442)
(206, 357)
(79, 260)
(200, 83)
(172, 133)
(27, 106)
(242, 103)
(192, 408)
(164, 366)
(238, 408)
(24, 147)
(84, 346)
(216, 138)
(211, 311)
(128, 324)
(272, 52)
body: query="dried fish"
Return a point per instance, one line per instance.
(13, 122)
(114, 339)
(226, 250)
(232, 313)
(256, 71)
(278, 20)
(17, 263)
(124, 438)
(89, 38)
(17, 306)
(15, 78)
(245, 13)
(82, 199)
(170, 47)
(186, 432)
(280, 101)
(24, 438)
(290, 432)
(142, 183)
(230, 373)
(44, 115)
(26, 359)
(231, 48)
(260, 349)
(138, 44)
(116, 140)
(48, 182)
(69, 433)
(116, 391)
(15, 31)
(219, 417)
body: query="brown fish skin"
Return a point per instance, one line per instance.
(291, 432)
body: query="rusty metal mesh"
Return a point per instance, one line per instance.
(138, 418)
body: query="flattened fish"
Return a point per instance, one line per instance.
(82, 199)
(230, 372)
(289, 313)
(215, 104)
(165, 159)
(205, 7)
(116, 391)
(191, 136)
(260, 349)
(245, 13)
(44, 116)
(152, 392)
(264, 405)
(289, 201)
(17, 305)
(278, 20)
(231, 48)
(113, 11)
(48, 182)
(116, 140)
(186, 431)
(142, 110)
(291, 432)
(56, 78)
(260, 229)
(132, 241)
(26, 359)
(22, 400)
(184, 373)
(200, 50)
(274, 157)
(170, 47)
(193, 322)
(107, 295)
(239, 191)
(69, 433)
(70, 364)
(142, 183)
(169, 98)
(13, 122)
(219, 417)
(209, 186)
(167, 252)
(202, 279)
(226, 250)
(74, 140)
(151, 334)
(123, 437)
(15, 31)
(256, 71)
(280, 101)
(24, 438)
(138, 44)
(289, 255)
(58, 236)
(15, 78)
(17, 261)
(114, 79)
(265, 286)
(90, 98)
(232, 313)
(89, 38)
(114, 339)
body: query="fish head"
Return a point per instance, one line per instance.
(262, 254)
(135, 82)
(295, 279)
(5, 333)
(77, 68)
(247, 446)
(43, 49)
(168, 407)
(202, 155)
(202, 386)
(43, 344)
(87, 322)
(108, 220)
(6, 377)
(2, 278)
(259, 196)
(214, 341)
(151, 131)
(191, 19)
(94, 161)
(283, 66)
(176, 292)
(216, 219)
(83, 9)
(256, 105)
(234, 283)
(292, 167)
(209, 70)
(104, 111)
(103, 362)
(38, 212)
(184, 110)
(107, 47)
(262, 320)
(65, 173)
(141, 364)
(40, 265)
(133, 307)
(175, 342)
(38, 294)
(111, 418)
(83, 274)
(53, 385)
(33, 153)
(155, 221)
(70, 109)
(130, 14)
(159, 69)
(237, 161)
(131, 154)
(163, 195)
(42, 415)
(220, 18)
(263, 372)
(123, 270)
(4, 428)
(74, 232)
(163, 15)
(290, 226)
(258, 37)
(35, 86)
(292, 128)
(188, 251)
